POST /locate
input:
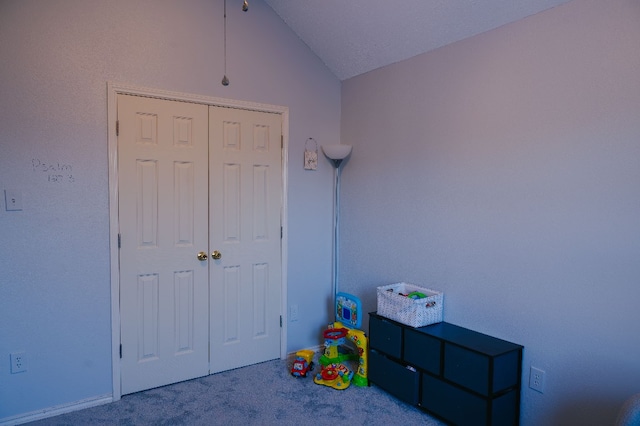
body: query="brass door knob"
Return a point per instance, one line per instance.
(216, 255)
(202, 256)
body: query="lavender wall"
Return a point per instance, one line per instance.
(56, 58)
(504, 170)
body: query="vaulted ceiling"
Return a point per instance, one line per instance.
(356, 36)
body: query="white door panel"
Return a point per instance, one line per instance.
(245, 171)
(163, 192)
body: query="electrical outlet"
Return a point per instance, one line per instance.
(536, 379)
(293, 313)
(18, 362)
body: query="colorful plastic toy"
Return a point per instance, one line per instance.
(348, 318)
(302, 364)
(348, 309)
(337, 376)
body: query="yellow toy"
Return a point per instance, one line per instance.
(303, 363)
(348, 309)
(336, 376)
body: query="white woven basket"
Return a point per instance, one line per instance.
(394, 304)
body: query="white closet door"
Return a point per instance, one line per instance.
(245, 225)
(163, 217)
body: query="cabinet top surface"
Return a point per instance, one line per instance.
(463, 337)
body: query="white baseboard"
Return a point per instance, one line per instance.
(93, 402)
(56, 410)
(316, 349)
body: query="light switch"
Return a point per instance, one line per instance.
(13, 200)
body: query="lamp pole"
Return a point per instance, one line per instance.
(335, 154)
(336, 230)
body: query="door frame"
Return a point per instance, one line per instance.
(113, 90)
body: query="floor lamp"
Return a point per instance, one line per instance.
(336, 153)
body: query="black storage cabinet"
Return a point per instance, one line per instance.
(456, 374)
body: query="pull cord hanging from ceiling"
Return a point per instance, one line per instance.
(245, 7)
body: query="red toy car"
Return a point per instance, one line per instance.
(302, 364)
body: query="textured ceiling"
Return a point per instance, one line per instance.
(355, 36)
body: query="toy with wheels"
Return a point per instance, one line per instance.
(336, 376)
(302, 364)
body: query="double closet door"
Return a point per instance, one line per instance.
(199, 199)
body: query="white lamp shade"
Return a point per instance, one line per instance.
(336, 151)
